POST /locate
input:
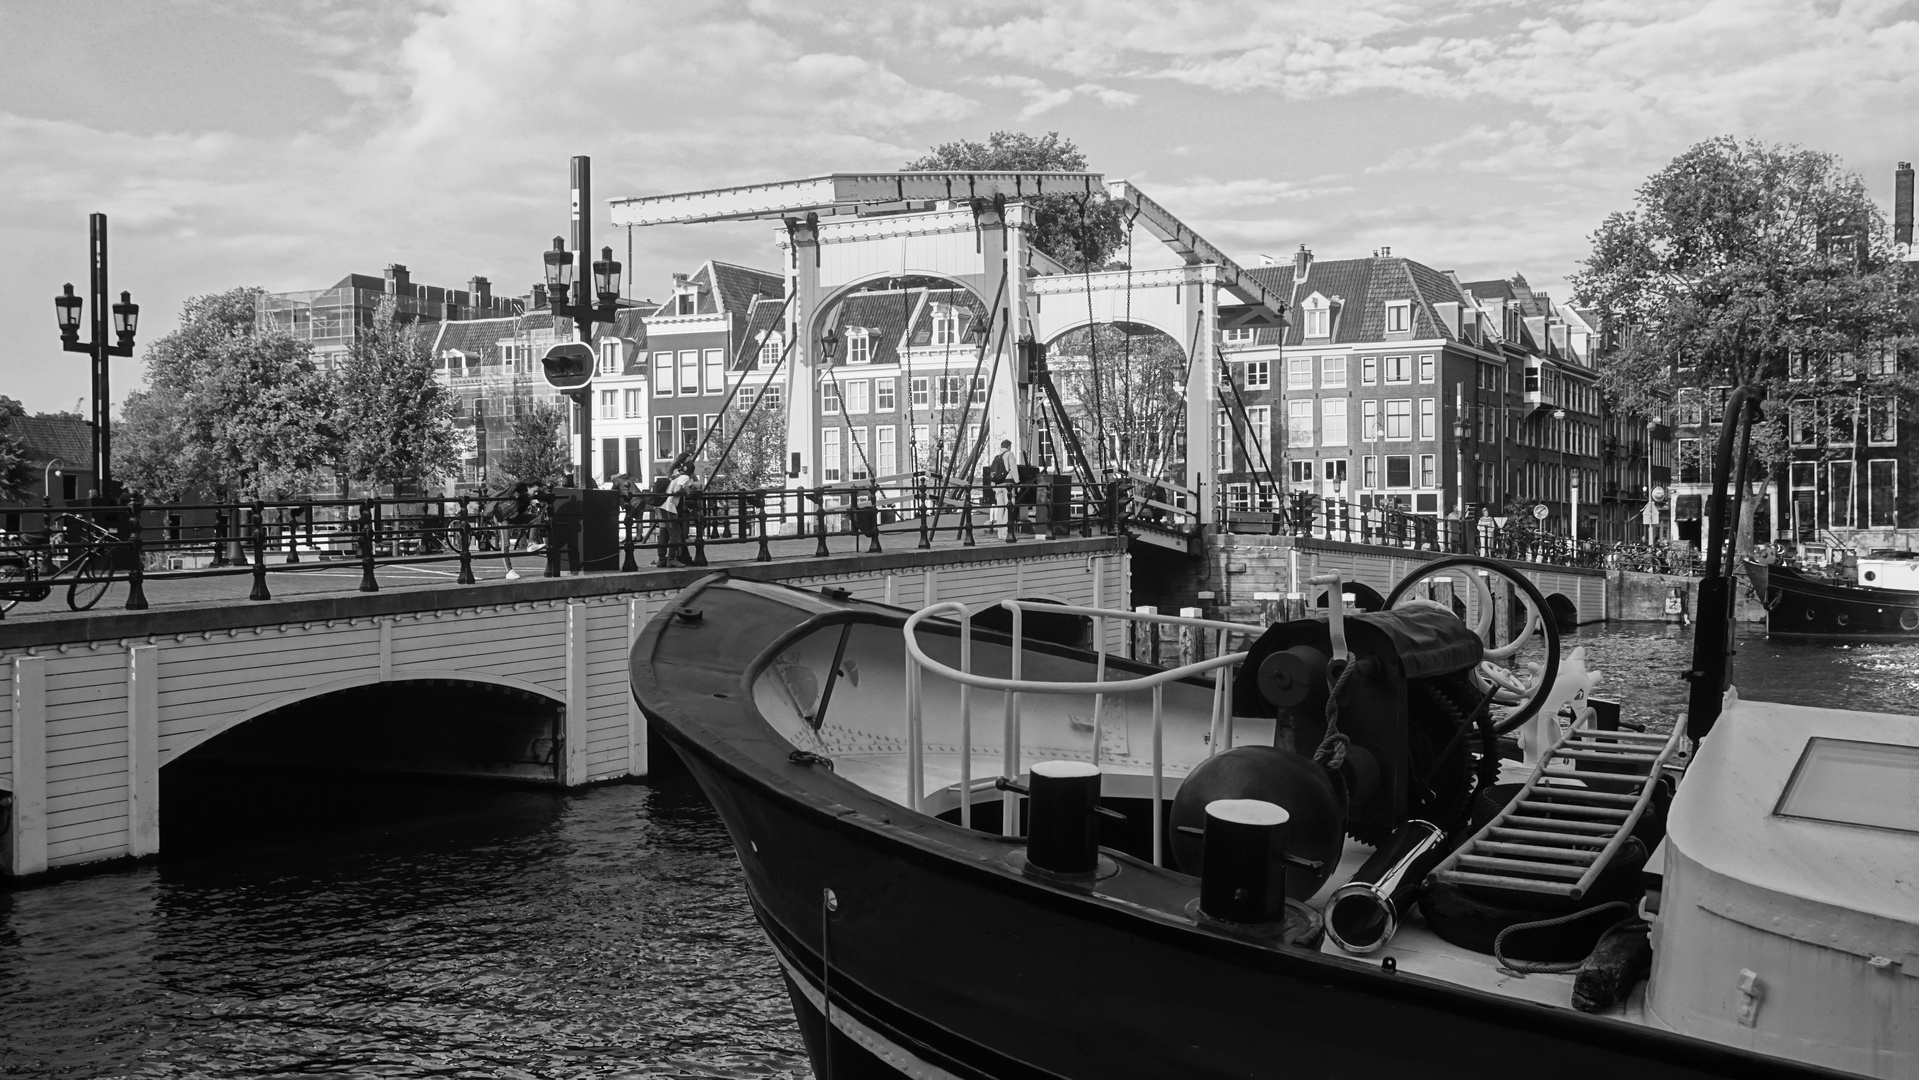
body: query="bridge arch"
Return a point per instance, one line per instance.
(1055, 332)
(414, 674)
(1365, 597)
(1564, 611)
(1060, 629)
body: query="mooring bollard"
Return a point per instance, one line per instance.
(1062, 814)
(136, 577)
(466, 544)
(1243, 872)
(258, 517)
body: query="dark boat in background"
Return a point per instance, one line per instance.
(1359, 858)
(1800, 604)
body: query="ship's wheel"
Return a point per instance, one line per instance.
(1515, 671)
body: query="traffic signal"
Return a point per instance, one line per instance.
(568, 365)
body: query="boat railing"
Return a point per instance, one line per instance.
(1220, 735)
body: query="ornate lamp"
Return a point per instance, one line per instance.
(606, 277)
(66, 307)
(126, 319)
(829, 346)
(559, 271)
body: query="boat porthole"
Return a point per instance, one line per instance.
(1871, 576)
(1909, 620)
(1808, 614)
(1844, 619)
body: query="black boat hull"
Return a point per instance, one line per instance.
(940, 959)
(1799, 606)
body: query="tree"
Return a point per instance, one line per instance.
(16, 476)
(229, 408)
(395, 417)
(1078, 242)
(11, 406)
(1745, 263)
(758, 458)
(1128, 394)
(536, 443)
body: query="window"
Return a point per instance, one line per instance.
(1399, 318)
(1259, 374)
(1802, 419)
(770, 392)
(1332, 422)
(1399, 418)
(1428, 418)
(610, 357)
(1259, 421)
(1299, 373)
(1428, 470)
(662, 437)
(859, 347)
(1854, 782)
(715, 371)
(510, 356)
(1845, 420)
(859, 460)
(1240, 335)
(1428, 368)
(1883, 361)
(609, 405)
(830, 454)
(1488, 430)
(1882, 422)
(952, 391)
(663, 374)
(1399, 369)
(1335, 470)
(830, 397)
(635, 459)
(921, 392)
(1300, 472)
(886, 456)
(1840, 497)
(1368, 370)
(609, 457)
(883, 397)
(770, 349)
(922, 450)
(1299, 423)
(635, 404)
(856, 397)
(689, 373)
(1691, 410)
(1318, 318)
(1399, 470)
(746, 396)
(945, 326)
(1369, 472)
(1882, 495)
(689, 433)
(979, 389)
(1332, 372)
(1369, 421)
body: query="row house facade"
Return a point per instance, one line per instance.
(330, 319)
(1398, 385)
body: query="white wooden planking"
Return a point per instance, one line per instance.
(85, 728)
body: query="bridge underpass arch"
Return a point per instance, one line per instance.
(1123, 382)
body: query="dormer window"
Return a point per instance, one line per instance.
(1239, 335)
(1318, 317)
(945, 326)
(770, 349)
(859, 346)
(1399, 317)
(610, 357)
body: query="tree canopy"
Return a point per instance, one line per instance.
(1126, 392)
(536, 443)
(758, 456)
(16, 476)
(1077, 241)
(394, 419)
(1747, 263)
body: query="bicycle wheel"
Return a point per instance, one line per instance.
(92, 574)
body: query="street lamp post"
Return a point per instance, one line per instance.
(563, 269)
(1565, 473)
(125, 318)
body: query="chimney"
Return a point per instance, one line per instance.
(1902, 204)
(479, 293)
(397, 281)
(539, 296)
(1302, 263)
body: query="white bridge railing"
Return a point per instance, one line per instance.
(1220, 735)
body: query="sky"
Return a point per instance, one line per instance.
(288, 143)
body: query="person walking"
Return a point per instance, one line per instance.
(674, 517)
(514, 513)
(1004, 474)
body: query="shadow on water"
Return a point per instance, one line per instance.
(307, 921)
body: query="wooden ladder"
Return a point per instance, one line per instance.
(1555, 837)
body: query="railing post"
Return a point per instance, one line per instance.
(552, 539)
(258, 517)
(367, 584)
(1085, 511)
(966, 518)
(291, 531)
(136, 577)
(306, 521)
(873, 549)
(765, 554)
(696, 520)
(466, 544)
(219, 538)
(628, 564)
(819, 519)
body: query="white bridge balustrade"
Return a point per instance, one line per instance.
(93, 707)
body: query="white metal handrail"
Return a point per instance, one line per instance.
(918, 662)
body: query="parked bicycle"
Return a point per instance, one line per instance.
(78, 552)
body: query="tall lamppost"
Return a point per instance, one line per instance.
(563, 269)
(125, 317)
(1565, 474)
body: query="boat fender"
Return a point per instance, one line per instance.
(1317, 820)
(1622, 958)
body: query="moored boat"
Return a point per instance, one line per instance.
(1799, 604)
(1359, 890)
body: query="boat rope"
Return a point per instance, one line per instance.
(1523, 968)
(808, 757)
(1331, 753)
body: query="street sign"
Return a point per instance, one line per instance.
(1540, 512)
(1651, 515)
(1659, 495)
(568, 365)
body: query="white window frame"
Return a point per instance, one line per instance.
(1299, 423)
(689, 384)
(921, 388)
(609, 405)
(1259, 418)
(858, 455)
(1332, 372)
(1332, 410)
(770, 349)
(1299, 373)
(634, 402)
(859, 346)
(886, 450)
(1259, 374)
(714, 361)
(1388, 415)
(663, 437)
(1239, 335)
(1403, 365)
(610, 356)
(1429, 471)
(829, 398)
(1428, 419)
(858, 399)
(885, 398)
(1369, 371)
(1428, 368)
(1369, 420)
(1318, 320)
(665, 374)
(830, 455)
(1399, 317)
(1890, 407)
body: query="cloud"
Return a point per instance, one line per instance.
(1042, 98)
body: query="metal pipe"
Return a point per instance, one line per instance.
(1159, 774)
(1009, 735)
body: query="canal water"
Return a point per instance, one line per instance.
(299, 927)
